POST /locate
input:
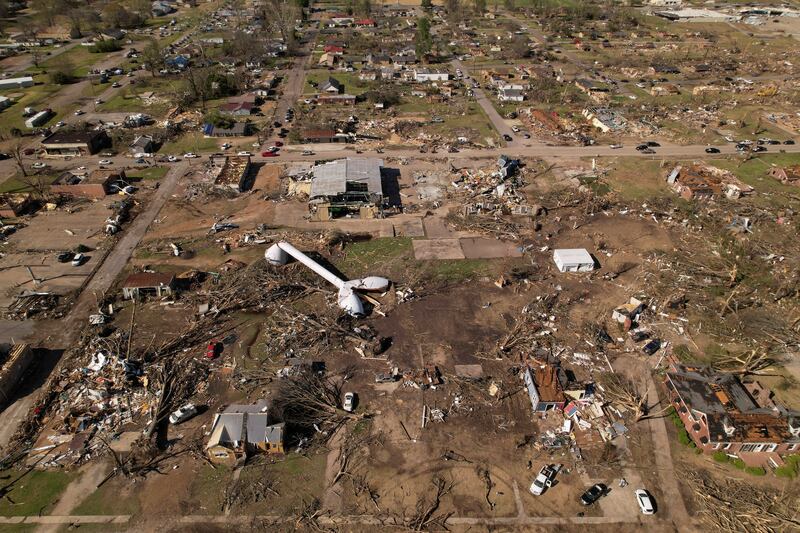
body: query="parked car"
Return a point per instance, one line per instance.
(652, 347)
(515, 129)
(65, 257)
(615, 146)
(593, 493)
(269, 154)
(78, 260)
(712, 150)
(759, 148)
(190, 155)
(79, 112)
(307, 152)
(183, 413)
(172, 158)
(213, 349)
(244, 153)
(4, 156)
(543, 480)
(273, 149)
(278, 143)
(105, 161)
(653, 144)
(116, 85)
(349, 403)
(507, 137)
(38, 164)
(648, 151)
(788, 142)
(645, 502)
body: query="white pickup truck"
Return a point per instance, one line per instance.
(544, 479)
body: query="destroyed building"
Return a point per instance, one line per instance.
(704, 182)
(232, 172)
(14, 205)
(545, 386)
(722, 413)
(786, 175)
(243, 430)
(16, 360)
(148, 283)
(346, 187)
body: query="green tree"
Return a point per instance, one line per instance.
(426, 4)
(480, 7)
(509, 5)
(423, 42)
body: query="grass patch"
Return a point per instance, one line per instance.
(18, 184)
(107, 500)
(190, 142)
(456, 270)
(637, 179)
(79, 57)
(352, 85)
(360, 256)
(34, 493)
(208, 488)
(149, 173)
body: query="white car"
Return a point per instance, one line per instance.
(98, 101)
(190, 155)
(105, 161)
(38, 164)
(183, 414)
(349, 402)
(615, 146)
(543, 480)
(244, 153)
(79, 112)
(515, 129)
(225, 146)
(78, 260)
(60, 124)
(645, 502)
(172, 159)
(307, 152)
(273, 149)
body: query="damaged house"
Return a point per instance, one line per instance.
(244, 430)
(233, 172)
(786, 175)
(703, 182)
(722, 413)
(345, 187)
(545, 385)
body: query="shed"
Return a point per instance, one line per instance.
(573, 260)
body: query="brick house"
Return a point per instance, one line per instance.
(722, 413)
(96, 185)
(74, 143)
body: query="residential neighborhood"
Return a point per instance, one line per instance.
(291, 265)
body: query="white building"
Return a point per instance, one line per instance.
(573, 260)
(16, 83)
(666, 3)
(5, 102)
(511, 95)
(422, 75)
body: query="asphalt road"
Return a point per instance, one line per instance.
(497, 121)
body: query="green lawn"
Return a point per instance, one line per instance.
(637, 179)
(352, 85)
(79, 57)
(19, 184)
(150, 173)
(36, 97)
(191, 142)
(107, 501)
(34, 493)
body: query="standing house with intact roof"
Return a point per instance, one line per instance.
(148, 283)
(243, 430)
(573, 260)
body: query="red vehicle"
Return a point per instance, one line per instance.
(278, 143)
(269, 154)
(212, 350)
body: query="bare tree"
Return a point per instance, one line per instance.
(282, 16)
(16, 153)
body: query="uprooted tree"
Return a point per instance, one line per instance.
(622, 391)
(311, 402)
